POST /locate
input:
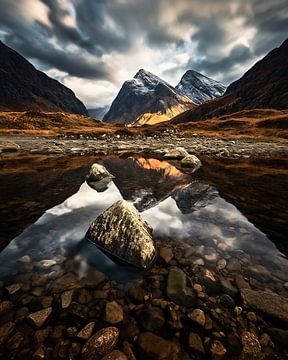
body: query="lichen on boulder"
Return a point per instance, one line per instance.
(121, 232)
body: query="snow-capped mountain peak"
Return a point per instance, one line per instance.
(200, 88)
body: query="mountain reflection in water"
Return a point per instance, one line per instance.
(176, 205)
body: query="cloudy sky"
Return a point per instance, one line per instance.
(92, 46)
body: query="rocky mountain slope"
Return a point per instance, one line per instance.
(22, 87)
(264, 86)
(199, 88)
(146, 99)
(98, 113)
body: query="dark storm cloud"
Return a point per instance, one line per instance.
(114, 27)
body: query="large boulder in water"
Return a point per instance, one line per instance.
(121, 232)
(99, 177)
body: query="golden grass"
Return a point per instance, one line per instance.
(257, 124)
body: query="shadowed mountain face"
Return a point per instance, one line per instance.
(146, 99)
(98, 113)
(200, 88)
(22, 87)
(265, 85)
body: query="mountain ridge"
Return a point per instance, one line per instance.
(24, 88)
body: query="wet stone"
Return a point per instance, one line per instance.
(152, 319)
(100, 344)
(41, 335)
(38, 318)
(86, 332)
(195, 342)
(113, 313)
(178, 289)
(66, 282)
(5, 306)
(5, 331)
(115, 355)
(166, 254)
(12, 289)
(15, 341)
(270, 304)
(251, 345)
(152, 346)
(66, 298)
(217, 349)
(198, 316)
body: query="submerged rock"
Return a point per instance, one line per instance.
(39, 317)
(270, 304)
(100, 344)
(99, 177)
(155, 347)
(178, 289)
(121, 232)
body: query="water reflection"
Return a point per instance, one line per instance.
(176, 205)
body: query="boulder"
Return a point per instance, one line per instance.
(121, 233)
(99, 177)
(191, 161)
(177, 153)
(102, 343)
(178, 289)
(267, 303)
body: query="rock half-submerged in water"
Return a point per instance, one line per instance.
(121, 232)
(99, 177)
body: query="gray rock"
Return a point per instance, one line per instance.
(99, 177)
(100, 344)
(177, 153)
(121, 232)
(178, 289)
(270, 304)
(191, 161)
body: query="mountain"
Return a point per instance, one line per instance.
(146, 99)
(199, 88)
(22, 87)
(263, 86)
(98, 113)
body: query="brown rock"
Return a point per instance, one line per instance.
(66, 282)
(5, 306)
(166, 254)
(251, 345)
(87, 331)
(15, 341)
(12, 289)
(217, 349)
(195, 342)
(66, 298)
(41, 335)
(113, 313)
(115, 355)
(39, 317)
(5, 331)
(154, 347)
(100, 344)
(197, 316)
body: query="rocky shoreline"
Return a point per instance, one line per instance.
(194, 303)
(106, 144)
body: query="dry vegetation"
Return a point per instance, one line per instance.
(255, 124)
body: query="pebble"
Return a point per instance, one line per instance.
(251, 345)
(195, 342)
(5, 331)
(115, 355)
(238, 310)
(12, 289)
(113, 313)
(66, 298)
(252, 316)
(39, 317)
(197, 316)
(217, 349)
(87, 331)
(166, 254)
